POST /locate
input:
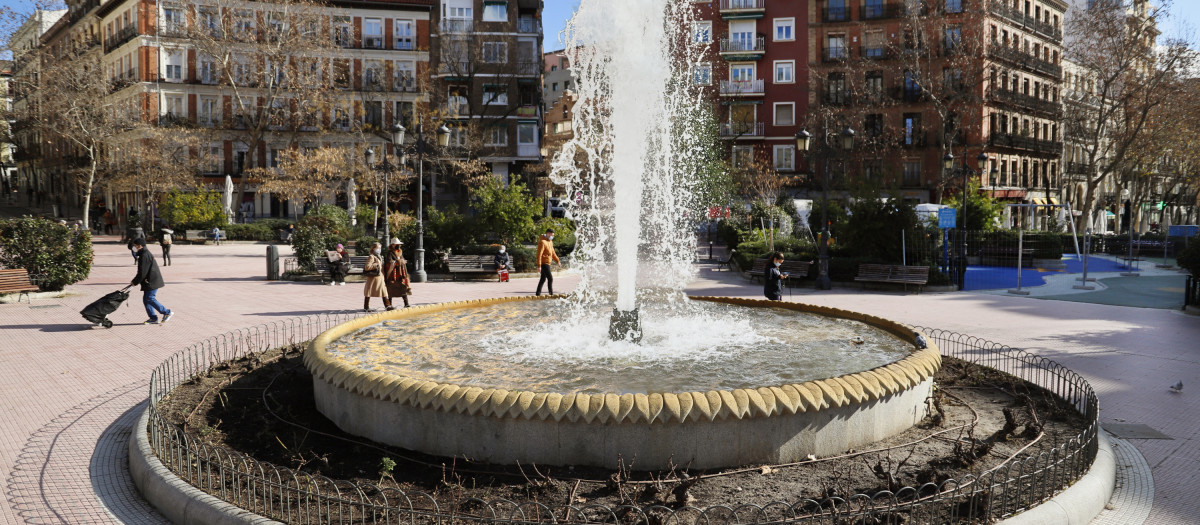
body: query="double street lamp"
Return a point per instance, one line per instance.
(803, 143)
(420, 147)
(397, 136)
(948, 165)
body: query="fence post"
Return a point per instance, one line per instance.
(1020, 263)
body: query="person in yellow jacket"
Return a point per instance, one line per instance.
(545, 254)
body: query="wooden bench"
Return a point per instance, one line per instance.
(194, 236)
(357, 262)
(892, 273)
(469, 264)
(758, 268)
(17, 281)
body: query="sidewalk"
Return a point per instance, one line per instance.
(69, 391)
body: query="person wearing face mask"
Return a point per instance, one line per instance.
(502, 261)
(773, 281)
(546, 255)
(375, 285)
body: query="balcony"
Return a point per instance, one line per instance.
(835, 14)
(742, 87)
(528, 25)
(909, 94)
(913, 139)
(372, 42)
(883, 11)
(1078, 168)
(1031, 103)
(1028, 22)
(877, 52)
(1020, 59)
(527, 111)
(733, 9)
(457, 25)
(835, 54)
(404, 83)
(529, 68)
(119, 38)
(741, 130)
(1009, 140)
(742, 46)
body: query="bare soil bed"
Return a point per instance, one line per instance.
(262, 406)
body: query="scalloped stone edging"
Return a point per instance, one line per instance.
(710, 429)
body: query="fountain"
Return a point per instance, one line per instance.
(628, 368)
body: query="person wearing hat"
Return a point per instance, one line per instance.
(165, 241)
(151, 280)
(502, 262)
(395, 272)
(374, 285)
(339, 265)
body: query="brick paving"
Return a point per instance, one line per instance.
(67, 389)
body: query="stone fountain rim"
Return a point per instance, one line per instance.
(742, 403)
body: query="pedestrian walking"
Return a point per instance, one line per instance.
(150, 280)
(395, 271)
(502, 261)
(216, 233)
(339, 265)
(546, 255)
(375, 286)
(165, 241)
(773, 279)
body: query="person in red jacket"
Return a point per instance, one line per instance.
(546, 255)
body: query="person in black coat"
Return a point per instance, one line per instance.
(150, 280)
(773, 279)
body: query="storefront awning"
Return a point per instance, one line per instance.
(1054, 201)
(1038, 201)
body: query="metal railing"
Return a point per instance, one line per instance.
(742, 87)
(743, 5)
(741, 129)
(298, 497)
(743, 45)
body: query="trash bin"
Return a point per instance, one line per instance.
(272, 262)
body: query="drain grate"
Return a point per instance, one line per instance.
(1134, 431)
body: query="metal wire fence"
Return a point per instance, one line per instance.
(297, 497)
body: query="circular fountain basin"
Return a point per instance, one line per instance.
(418, 388)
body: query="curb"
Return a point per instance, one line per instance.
(1083, 501)
(177, 500)
(13, 298)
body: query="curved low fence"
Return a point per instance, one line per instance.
(296, 497)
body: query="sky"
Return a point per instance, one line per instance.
(554, 18)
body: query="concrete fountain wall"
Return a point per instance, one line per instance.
(770, 424)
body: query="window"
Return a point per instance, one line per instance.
(341, 73)
(951, 38)
(495, 52)
(835, 47)
(743, 120)
(785, 29)
(785, 114)
(373, 33)
(215, 157)
(912, 174)
(701, 74)
(373, 75)
(175, 106)
(912, 86)
(405, 35)
(173, 66)
(527, 134)
(495, 11)
(785, 71)
(243, 23)
(406, 79)
(495, 95)
(341, 31)
(873, 44)
(742, 36)
(952, 79)
(456, 101)
(836, 11)
(172, 19)
(785, 158)
(554, 86)
(873, 86)
(873, 125)
(275, 25)
(207, 113)
(373, 113)
(873, 171)
(341, 118)
(210, 21)
(954, 6)
(404, 113)
(913, 136)
(273, 157)
(497, 136)
(835, 89)
(742, 156)
(741, 72)
(873, 9)
(701, 32)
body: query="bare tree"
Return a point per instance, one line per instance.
(1129, 76)
(152, 160)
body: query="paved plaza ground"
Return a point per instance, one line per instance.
(68, 392)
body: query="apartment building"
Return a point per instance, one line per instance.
(486, 58)
(556, 77)
(758, 75)
(30, 173)
(152, 54)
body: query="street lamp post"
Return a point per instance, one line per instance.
(397, 136)
(443, 139)
(948, 165)
(803, 142)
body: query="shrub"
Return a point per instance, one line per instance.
(404, 227)
(365, 214)
(448, 228)
(254, 231)
(43, 247)
(311, 241)
(1189, 258)
(337, 216)
(874, 228)
(508, 211)
(564, 234)
(362, 246)
(200, 210)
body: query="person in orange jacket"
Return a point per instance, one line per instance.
(545, 255)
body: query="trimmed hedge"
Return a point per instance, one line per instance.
(60, 254)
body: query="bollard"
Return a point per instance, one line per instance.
(272, 262)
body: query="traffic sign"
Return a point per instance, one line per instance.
(1183, 230)
(947, 217)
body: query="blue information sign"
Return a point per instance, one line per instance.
(947, 217)
(1183, 230)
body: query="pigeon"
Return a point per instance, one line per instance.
(1177, 387)
(920, 341)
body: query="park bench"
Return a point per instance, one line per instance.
(1005, 256)
(470, 264)
(195, 236)
(799, 269)
(17, 281)
(727, 262)
(892, 273)
(357, 262)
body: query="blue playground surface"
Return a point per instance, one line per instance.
(1003, 277)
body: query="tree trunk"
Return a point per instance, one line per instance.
(87, 194)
